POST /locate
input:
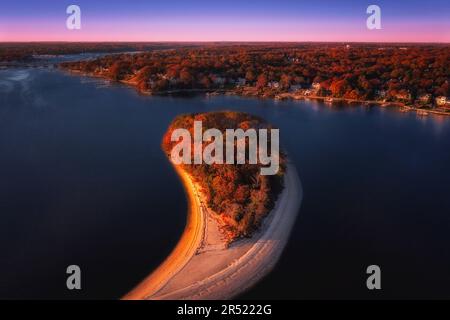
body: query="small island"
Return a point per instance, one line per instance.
(238, 223)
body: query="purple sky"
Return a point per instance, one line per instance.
(282, 20)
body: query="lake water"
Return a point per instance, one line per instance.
(83, 181)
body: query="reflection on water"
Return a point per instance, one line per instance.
(17, 75)
(83, 181)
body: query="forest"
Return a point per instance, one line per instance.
(239, 195)
(24, 52)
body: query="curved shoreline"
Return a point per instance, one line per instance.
(185, 248)
(201, 267)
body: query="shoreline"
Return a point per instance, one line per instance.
(419, 109)
(184, 249)
(202, 266)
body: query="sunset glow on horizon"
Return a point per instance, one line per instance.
(412, 21)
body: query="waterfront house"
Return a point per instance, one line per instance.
(240, 82)
(218, 80)
(101, 70)
(315, 86)
(403, 96)
(425, 98)
(273, 84)
(381, 93)
(442, 101)
(295, 87)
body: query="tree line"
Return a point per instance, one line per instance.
(358, 71)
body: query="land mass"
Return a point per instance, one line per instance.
(238, 223)
(409, 76)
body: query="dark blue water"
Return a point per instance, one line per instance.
(83, 181)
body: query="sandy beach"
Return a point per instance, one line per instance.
(201, 267)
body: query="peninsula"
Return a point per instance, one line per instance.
(226, 249)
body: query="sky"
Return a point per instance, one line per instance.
(231, 20)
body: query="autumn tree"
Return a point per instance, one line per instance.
(261, 81)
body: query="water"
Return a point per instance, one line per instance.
(83, 181)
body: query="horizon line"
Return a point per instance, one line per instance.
(225, 41)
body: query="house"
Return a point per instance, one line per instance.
(273, 84)
(240, 82)
(101, 70)
(381, 93)
(425, 98)
(308, 92)
(219, 80)
(315, 86)
(406, 96)
(295, 87)
(442, 101)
